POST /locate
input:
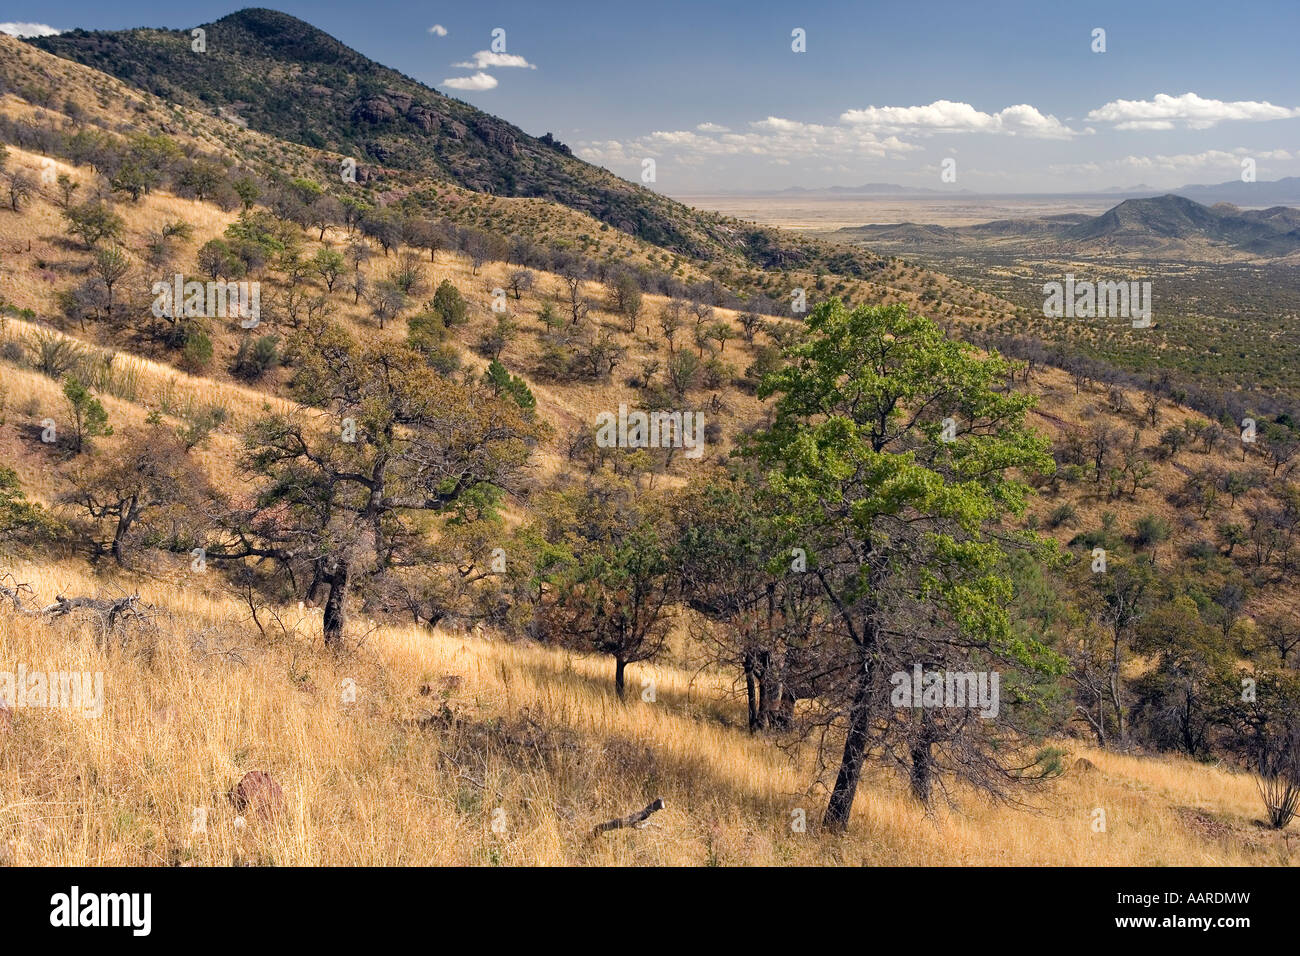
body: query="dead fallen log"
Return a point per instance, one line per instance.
(112, 610)
(631, 820)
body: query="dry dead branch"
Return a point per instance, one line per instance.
(632, 819)
(112, 611)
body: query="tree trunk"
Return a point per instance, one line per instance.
(855, 749)
(334, 613)
(751, 692)
(922, 774)
(767, 690)
(119, 538)
(1121, 732)
(782, 715)
(317, 580)
(620, 666)
(125, 518)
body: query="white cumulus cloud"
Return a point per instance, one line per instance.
(486, 58)
(947, 116)
(1207, 159)
(1194, 112)
(479, 81)
(438, 30)
(1210, 158)
(774, 139)
(29, 30)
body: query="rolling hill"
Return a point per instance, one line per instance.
(1143, 221)
(284, 77)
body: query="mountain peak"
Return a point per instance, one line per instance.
(288, 79)
(1174, 217)
(283, 37)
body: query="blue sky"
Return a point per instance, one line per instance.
(1011, 92)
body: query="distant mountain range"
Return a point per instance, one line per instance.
(1141, 224)
(1277, 192)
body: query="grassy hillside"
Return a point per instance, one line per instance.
(283, 77)
(60, 107)
(448, 727)
(467, 702)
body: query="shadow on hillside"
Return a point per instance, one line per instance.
(578, 761)
(692, 703)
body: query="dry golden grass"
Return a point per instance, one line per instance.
(47, 263)
(155, 384)
(537, 732)
(196, 700)
(203, 695)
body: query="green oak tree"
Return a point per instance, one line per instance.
(892, 460)
(347, 492)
